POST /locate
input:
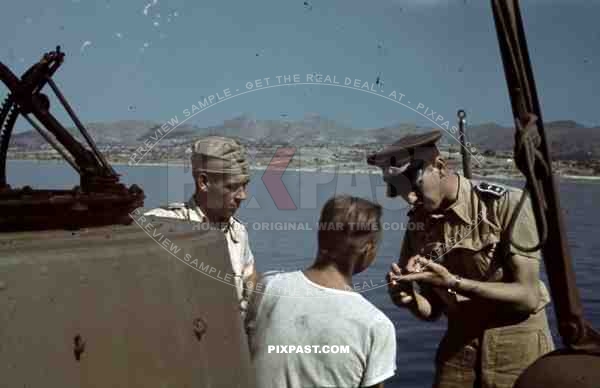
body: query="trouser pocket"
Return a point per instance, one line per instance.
(508, 353)
(455, 363)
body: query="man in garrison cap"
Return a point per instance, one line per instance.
(470, 259)
(221, 174)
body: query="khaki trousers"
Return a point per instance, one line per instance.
(494, 357)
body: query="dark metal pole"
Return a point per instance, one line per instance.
(80, 126)
(53, 143)
(574, 329)
(466, 156)
(578, 364)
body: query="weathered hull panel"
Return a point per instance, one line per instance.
(144, 317)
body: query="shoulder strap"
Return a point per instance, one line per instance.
(496, 191)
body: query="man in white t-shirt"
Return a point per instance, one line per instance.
(308, 328)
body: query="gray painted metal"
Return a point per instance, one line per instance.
(562, 369)
(144, 317)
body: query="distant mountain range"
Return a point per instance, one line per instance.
(568, 140)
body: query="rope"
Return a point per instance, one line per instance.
(528, 157)
(527, 142)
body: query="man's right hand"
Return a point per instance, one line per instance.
(401, 293)
(405, 294)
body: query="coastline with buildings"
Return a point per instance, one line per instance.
(317, 143)
(345, 161)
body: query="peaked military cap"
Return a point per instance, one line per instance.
(405, 149)
(219, 154)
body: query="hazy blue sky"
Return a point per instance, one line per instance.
(443, 54)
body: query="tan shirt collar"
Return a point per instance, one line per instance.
(193, 205)
(462, 206)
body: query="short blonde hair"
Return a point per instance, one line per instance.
(346, 225)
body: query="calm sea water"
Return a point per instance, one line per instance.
(294, 249)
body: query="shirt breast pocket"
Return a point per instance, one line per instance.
(487, 266)
(473, 257)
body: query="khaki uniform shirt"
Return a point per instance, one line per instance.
(242, 259)
(465, 236)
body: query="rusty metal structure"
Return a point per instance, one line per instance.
(464, 151)
(109, 305)
(90, 296)
(99, 199)
(578, 363)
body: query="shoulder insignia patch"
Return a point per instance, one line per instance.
(489, 188)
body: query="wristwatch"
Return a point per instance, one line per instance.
(455, 284)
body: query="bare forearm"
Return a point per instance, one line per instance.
(424, 309)
(524, 298)
(251, 280)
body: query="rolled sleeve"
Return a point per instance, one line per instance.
(525, 232)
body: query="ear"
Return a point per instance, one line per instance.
(440, 163)
(202, 182)
(369, 247)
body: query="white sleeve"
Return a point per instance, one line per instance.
(256, 301)
(381, 361)
(248, 258)
(247, 271)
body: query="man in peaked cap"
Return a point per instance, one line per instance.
(221, 174)
(470, 260)
(395, 159)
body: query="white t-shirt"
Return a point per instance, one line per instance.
(292, 310)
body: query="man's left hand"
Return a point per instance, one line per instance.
(432, 273)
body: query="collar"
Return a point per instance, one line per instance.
(193, 206)
(462, 206)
